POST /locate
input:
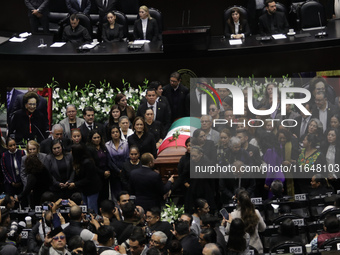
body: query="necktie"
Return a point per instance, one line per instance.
(105, 3)
(303, 127)
(8, 98)
(90, 127)
(79, 2)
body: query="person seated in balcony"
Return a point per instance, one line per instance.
(237, 27)
(273, 22)
(331, 227)
(112, 31)
(145, 28)
(76, 33)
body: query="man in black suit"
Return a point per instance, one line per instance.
(273, 22)
(161, 110)
(89, 124)
(76, 33)
(147, 185)
(153, 219)
(302, 122)
(38, 14)
(75, 6)
(105, 6)
(57, 133)
(12, 95)
(176, 94)
(323, 110)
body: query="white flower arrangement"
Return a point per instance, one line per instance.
(101, 98)
(171, 212)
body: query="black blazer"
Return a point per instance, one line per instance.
(163, 114)
(243, 29)
(279, 20)
(85, 131)
(177, 109)
(73, 6)
(45, 145)
(112, 35)
(331, 110)
(103, 10)
(152, 33)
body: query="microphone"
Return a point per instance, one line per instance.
(322, 33)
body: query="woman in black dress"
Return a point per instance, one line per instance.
(131, 164)
(86, 179)
(154, 126)
(112, 32)
(142, 138)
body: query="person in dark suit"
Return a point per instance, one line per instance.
(302, 122)
(38, 14)
(57, 134)
(323, 110)
(161, 110)
(236, 26)
(12, 95)
(76, 33)
(89, 124)
(28, 123)
(74, 7)
(147, 185)
(112, 32)
(189, 240)
(104, 7)
(273, 22)
(145, 28)
(176, 94)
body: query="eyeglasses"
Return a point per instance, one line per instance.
(56, 238)
(212, 109)
(32, 104)
(205, 121)
(155, 242)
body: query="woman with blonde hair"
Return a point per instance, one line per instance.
(145, 28)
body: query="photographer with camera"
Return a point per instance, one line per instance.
(54, 243)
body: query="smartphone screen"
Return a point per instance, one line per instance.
(224, 213)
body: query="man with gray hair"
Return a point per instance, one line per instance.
(211, 249)
(72, 121)
(158, 240)
(206, 126)
(56, 134)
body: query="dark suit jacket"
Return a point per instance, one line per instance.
(243, 29)
(45, 145)
(148, 187)
(280, 22)
(10, 107)
(51, 164)
(42, 5)
(331, 110)
(103, 10)
(73, 6)
(163, 114)
(152, 33)
(85, 131)
(177, 107)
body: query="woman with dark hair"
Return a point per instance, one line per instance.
(308, 157)
(124, 125)
(142, 138)
(27, 123)
(155, 127)
(314, 127)
(237, 27)
(115, 114)
(266, 102)
(335, 121)
(201, 207)
(38, 179)
(251, 217)
(238, 238)
(112, 32)
(287, 232)
(59, 164)
(119, 153)
(100, 155)
(132, 163)
(11, 167)
(145, 28)
(86, 178)
(199, 139)
(125, 110)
